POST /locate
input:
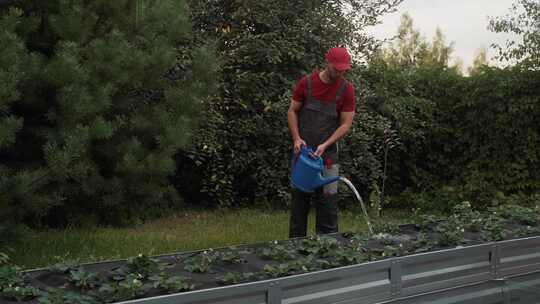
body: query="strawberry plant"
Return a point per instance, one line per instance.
(385, 227)
(277, 252)
(200, 263)
(527, 231)
(19, 293)
(350, 256)
(280, 270)
(493, 228)
(83, 279)
(385, 238)
(462, 209)
(12, 285)
(143, 266)
(171, 284)
(519, 214)
(470, 219)
(64, 266)
(317, 245)
(423, 243)
(450, 232)
(129, 288)
(61, 296)
(231, 256)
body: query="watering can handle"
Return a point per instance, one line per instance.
(308, 151)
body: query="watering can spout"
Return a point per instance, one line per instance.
(325, 181)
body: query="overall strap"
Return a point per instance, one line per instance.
(309, 88)
(340, 91)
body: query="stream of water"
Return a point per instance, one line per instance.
(359, 199)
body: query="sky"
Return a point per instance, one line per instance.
(463, 22)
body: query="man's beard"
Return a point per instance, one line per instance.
(333, 76)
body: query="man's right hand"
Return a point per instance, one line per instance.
(298, 143)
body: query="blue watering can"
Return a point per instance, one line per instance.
(307, 172)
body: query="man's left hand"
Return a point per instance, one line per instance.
(320, 150)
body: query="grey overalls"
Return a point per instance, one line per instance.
(317, 121)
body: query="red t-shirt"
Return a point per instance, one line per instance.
(325, 92)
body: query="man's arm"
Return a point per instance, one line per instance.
(346, 119)
(292, 118)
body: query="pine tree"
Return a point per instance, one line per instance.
(12, 60)
(116, 96)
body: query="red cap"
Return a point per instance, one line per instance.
(339, 58)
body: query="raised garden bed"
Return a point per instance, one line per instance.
(398, 261)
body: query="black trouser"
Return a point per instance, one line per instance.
(326, 212)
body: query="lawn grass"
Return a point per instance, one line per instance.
(189, 230)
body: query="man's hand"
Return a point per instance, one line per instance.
(320, 150)
(298, 145)
(346, 119)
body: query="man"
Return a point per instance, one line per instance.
(320, 113)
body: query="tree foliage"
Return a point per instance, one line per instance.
(480, 60)
(411, 50)
(109, 96)
(523, 20)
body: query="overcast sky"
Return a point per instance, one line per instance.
(463, 22)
